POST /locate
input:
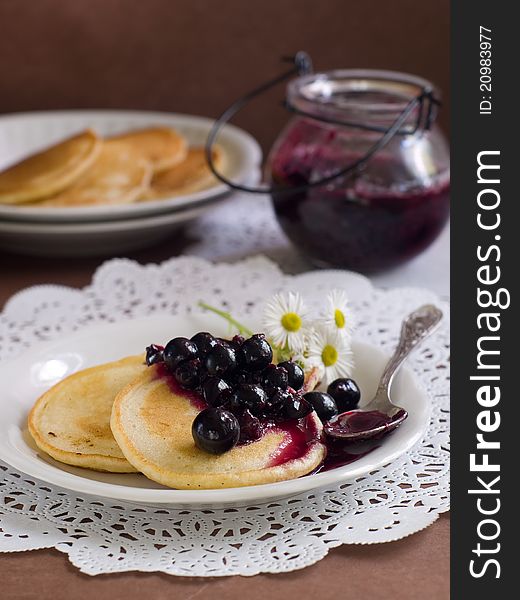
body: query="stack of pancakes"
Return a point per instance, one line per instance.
(122, 417)
(86, 170)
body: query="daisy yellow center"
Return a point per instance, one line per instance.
(329, 355)
(339, 318)
(291, 322)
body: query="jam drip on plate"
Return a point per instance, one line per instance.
(340, 454)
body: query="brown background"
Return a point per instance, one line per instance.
(197, 56)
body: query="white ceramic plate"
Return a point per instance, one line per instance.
(94, 238)
(24, 379)
(24, 133)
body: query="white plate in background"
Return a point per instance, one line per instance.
(96, 238)
(24, 133)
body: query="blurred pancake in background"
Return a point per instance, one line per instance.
(119, 175)
(157, 183)
(143, 164)
(50, 171)
(162, 146)
(191, 175)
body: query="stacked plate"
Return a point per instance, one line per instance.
(104, 229)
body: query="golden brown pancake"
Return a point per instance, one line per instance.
(162, 146)
(188, 177)
(50, 171)
(119, 175)
(151, 422)
(71, 421)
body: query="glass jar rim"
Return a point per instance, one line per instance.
(329, 91)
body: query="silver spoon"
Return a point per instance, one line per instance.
(380, 415)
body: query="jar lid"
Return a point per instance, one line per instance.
(327, 96)
(364, 98)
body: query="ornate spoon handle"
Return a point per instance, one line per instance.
(415, 328)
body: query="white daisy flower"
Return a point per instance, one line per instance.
(330, 351)
(338, 314)
(285, 321)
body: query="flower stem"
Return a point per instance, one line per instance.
(242, 329)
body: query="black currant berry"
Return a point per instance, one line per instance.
(346, 393)
(247, 396)
(237, 342)
(205, 342)
(276, 403)
(154, 354)
(294, 373)
(250, 427)
(215, 430)
(221, 361)
(255, 353)
(188, 373)
(323, 404)
(178, 350)
(295, 408)
(275, 378)
(215, 391)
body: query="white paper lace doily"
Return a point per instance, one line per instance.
(103, 537)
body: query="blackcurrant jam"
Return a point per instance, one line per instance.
(356, 226)
(375, 218)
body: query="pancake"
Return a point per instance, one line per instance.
(190, 176)
(119, 175)
(162, 146)
(151, 422)
(50, 171)
(71, 421)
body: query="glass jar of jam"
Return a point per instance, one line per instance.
(390, 208)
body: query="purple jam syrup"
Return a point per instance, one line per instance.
(366, 222)
(355, 421)
(340, 454)
(196, 399)
(299, 435)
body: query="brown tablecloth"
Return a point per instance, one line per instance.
(414, 568)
